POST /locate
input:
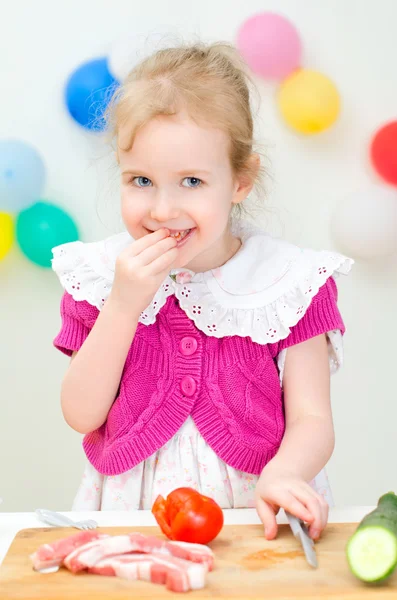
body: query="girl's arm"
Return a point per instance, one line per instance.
(93, 378)
(308, 441)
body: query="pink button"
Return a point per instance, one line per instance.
(188, 346)
(188, 386)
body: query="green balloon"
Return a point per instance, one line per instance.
(41, 227)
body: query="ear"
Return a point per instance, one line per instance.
(245, 180)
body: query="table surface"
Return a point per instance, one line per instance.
(11, 523)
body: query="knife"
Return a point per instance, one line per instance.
(301, 533)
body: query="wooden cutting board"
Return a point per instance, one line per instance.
(247, 567)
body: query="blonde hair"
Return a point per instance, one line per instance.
(209, 82)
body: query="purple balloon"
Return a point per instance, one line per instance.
(270, 45)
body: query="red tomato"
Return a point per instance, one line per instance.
(187, 516)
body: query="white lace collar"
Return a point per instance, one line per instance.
(263, 291)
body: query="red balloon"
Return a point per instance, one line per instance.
(384, 152)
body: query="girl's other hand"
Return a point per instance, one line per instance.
(275, 490)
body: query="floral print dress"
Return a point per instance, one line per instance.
(185, 460)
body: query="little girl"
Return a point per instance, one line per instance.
(202, 347)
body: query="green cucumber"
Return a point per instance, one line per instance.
(372, 549)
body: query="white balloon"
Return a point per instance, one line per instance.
(364, 225)
(141, 41)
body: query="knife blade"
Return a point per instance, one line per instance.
(301, 533)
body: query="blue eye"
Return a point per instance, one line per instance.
(142, 181)
(191, 182)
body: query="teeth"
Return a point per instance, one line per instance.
(180, 234)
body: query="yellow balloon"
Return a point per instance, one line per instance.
(6, 234)
(309, 101)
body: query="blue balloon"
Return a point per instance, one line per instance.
(22, 175)
(88, 92)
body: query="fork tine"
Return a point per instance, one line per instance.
(91, 524)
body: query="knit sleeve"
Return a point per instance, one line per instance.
(321, 317)
(77, 317)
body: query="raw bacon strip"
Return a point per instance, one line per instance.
(53, 555)
(177, 574)
(198, 553)
(89, 555)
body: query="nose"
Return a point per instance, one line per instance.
(164, 208)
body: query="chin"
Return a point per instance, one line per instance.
(180, 264)
(183, 259)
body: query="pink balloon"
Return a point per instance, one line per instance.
(270, 45)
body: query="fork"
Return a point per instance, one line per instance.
(54, 518)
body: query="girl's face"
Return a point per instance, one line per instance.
(178, 175)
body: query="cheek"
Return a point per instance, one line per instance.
(131, 209)
(214, 209)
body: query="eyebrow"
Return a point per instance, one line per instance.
(185, 173)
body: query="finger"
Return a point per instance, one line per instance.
(317, 506)
(147, 241)
(313, 506)
(317, 527)
(163, 263)
(268, 518)
(324, 506)
(289, 502)
(147, 256)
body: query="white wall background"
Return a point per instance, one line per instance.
(41, 43)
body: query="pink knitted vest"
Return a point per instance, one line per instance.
(230, 386)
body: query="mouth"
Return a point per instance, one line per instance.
(181, 236)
